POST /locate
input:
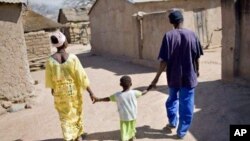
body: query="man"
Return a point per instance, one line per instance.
(179, 54)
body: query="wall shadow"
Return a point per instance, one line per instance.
(219, 105)
(119, 67)
(8, 15)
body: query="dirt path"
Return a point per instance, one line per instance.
(217, 105)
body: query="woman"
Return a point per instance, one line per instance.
(67, 80)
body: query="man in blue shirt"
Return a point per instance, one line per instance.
(179, 55)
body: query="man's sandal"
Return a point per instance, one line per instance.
(168, 128)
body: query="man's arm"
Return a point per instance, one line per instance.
(197, 67)
(198, 52)
(163, 56)
(161, 68)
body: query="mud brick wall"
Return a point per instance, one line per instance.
(38, 44)
(79, 32)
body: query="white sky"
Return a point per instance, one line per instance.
(47, 2)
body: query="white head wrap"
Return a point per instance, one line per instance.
(60, 37)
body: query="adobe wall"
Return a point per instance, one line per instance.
(79, 32)
(16, 82)
(38, 44)
(115, 31)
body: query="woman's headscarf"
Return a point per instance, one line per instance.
(60, 37)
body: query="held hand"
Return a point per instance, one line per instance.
(153, 84)
(144, 92)
(52, 92)
(94, 99)
(198, 73)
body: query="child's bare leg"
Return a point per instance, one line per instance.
(132, 139)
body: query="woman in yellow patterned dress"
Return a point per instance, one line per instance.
(67, 80)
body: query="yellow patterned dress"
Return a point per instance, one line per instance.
(68, 80)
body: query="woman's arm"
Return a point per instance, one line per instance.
(52, 91)
(91, 94)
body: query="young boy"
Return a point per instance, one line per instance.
(127, 107)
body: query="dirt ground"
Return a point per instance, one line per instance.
(217, 104)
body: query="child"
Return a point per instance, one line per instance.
(127, 107)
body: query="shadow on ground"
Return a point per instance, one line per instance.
(218, 105)
(53, 140)
(113, 65)
(160, 88)
(142, 133)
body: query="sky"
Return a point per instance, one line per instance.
(49, 2)
(50, 8)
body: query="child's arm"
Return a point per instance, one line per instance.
(144, 92)
(139, 93)
(106, 99)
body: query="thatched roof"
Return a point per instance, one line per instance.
(12, 1)
(74, 14)
(33, 21)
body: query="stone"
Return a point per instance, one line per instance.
(36, 82)
(28, 106)
(6, 104)
(77, 30)
(16, 107)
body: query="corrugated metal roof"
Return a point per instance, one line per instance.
(141, 1)
(12, 1)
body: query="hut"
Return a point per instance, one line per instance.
(134, 28)
(37, 30)
(16, 82)
(235, 41)
(77, 20)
